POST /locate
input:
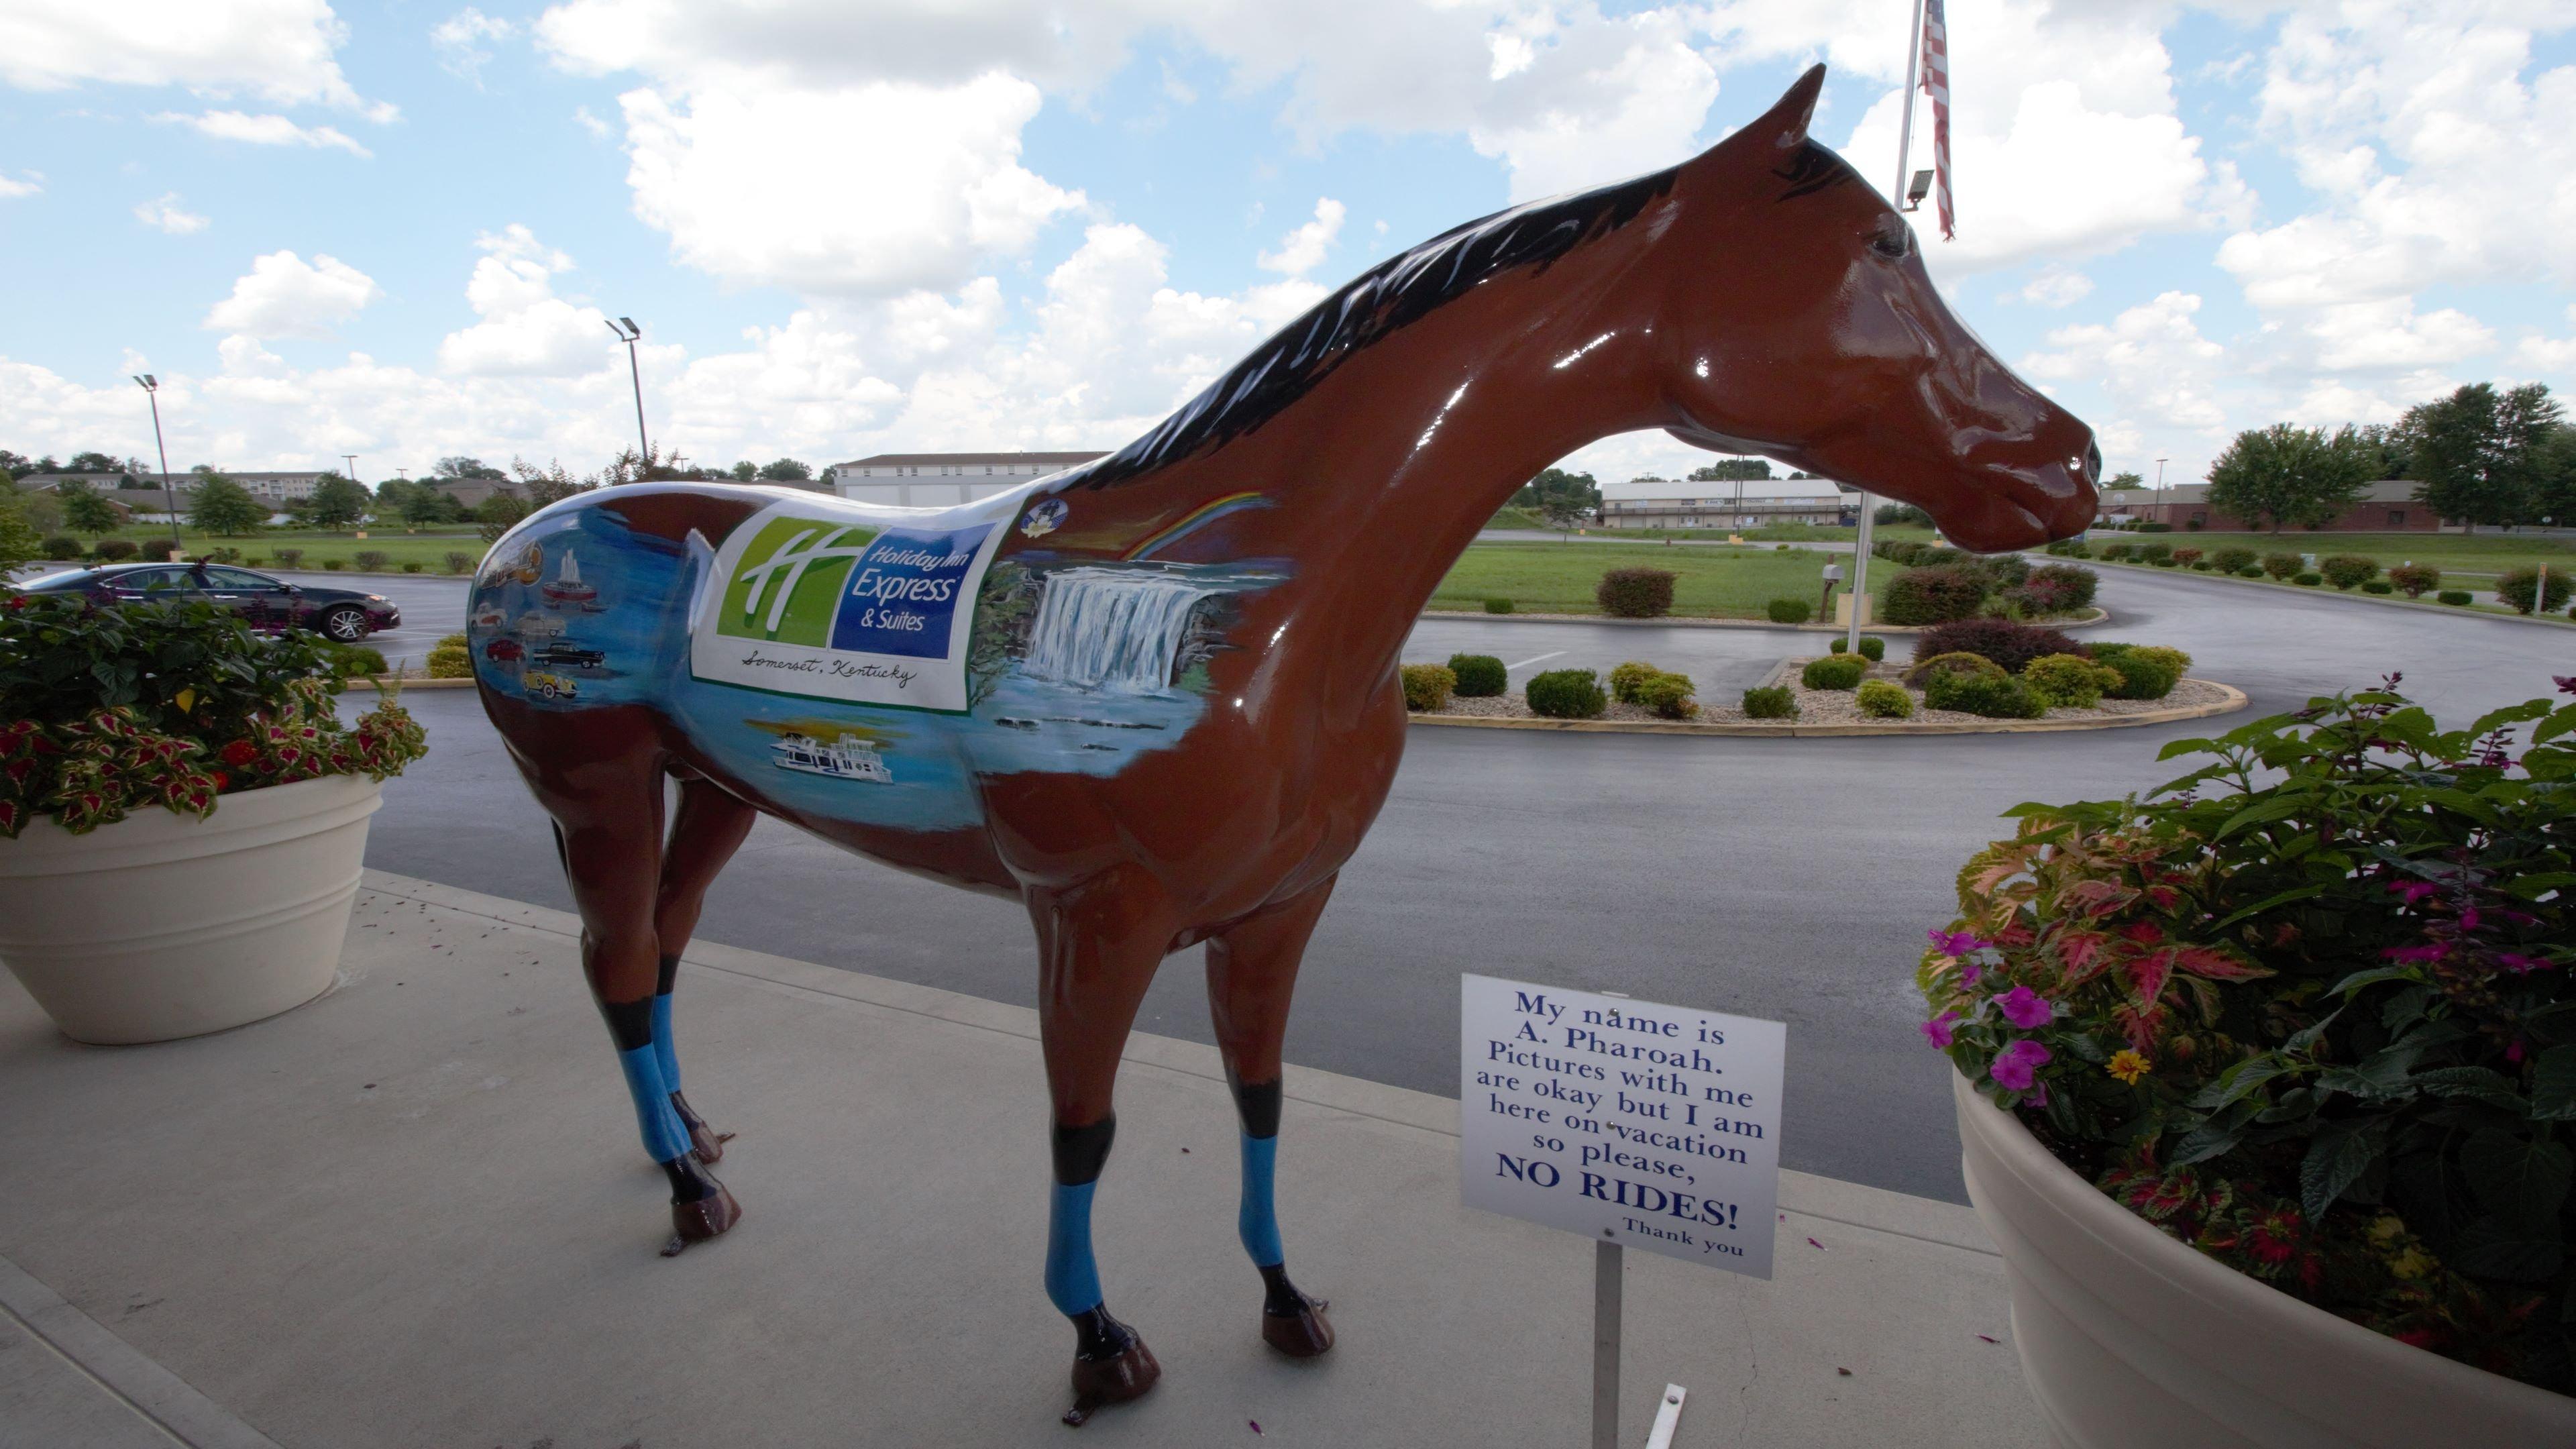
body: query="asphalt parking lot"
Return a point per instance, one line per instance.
(1789, 879)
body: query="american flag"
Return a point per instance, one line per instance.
(1936, 79)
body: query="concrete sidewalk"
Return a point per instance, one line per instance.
(413, 1213)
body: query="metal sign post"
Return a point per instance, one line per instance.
(1609, 1278)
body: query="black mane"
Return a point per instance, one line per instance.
(1384, 298)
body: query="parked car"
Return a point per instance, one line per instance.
(551, 686)
(504, 651)
(343, 615)
(568, 656)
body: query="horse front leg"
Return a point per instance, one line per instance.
(1252, 971)
(1098, 947)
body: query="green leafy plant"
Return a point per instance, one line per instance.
(114, 550)
(2307, 581)
(1635, 593)
(2069, 681)
(1834, 671)
(62, 546)
(371, 560)
(2283, 565)
(2141, 676)
(1881, 700)
(2057, 589)
(1872, 648)
(1480, 676)
(334, 565)
(1992, 696)
(2415, 580)
(2308, 1009)
(2457, 598)
(1669, 696)
(1427, 686)
(1789, 611)
(2347, 570)
(2519, 586)
(2234, 560)
(104, 711)
(158, 550)
(2156, 552)
(1835, 646)
(458, 561)
(1919, 674)
(2377, 586)
(1624, 679)
(288, 558)
(1498, 606)
(1773, 702)
(1933, 595)
(1566, 694)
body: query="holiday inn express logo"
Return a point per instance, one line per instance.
(787, 586)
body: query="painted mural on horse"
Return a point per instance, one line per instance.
(1155, 698)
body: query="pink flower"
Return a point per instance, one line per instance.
(1955, 943)
(1939, 1030)
(2024, 1008)
(2517, 964)
(2014, 1065)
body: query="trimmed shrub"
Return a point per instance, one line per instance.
(371, 560)
(1999, 570)
(2116, 552)
(1427, 686)
(1635, 593)
(2377, 586)
(1834, 671)
(2080, 549)
(2234, 560)
(2200, 565)
(255, 561)
(2415, 580)
(1881, 700)
(459, 562)
(2173, 659)
(2156, 552)
(2307, 581)
(223, 555)
(2162, 563)
(158, 550)
(448, 640)
(288, 558)
(1773, 703)
(335, 564)
(112, 549)
(2344, 570)
(450, 661)
(1480, 676)
(1566, 694)
(1624, 679)
(1498, 606)
(2140, 676)
(1872, 648)
(62, 546)
(1835, 646)
(2460, 598)
(2255, 572)
(411, 568)
(2515, 587)
(1789, 611)
(1928, 667)
(1906, 551)
(356, 659)
(2282, 565)
(1994, 697)
(1932, 596)
(2008, 644)
(1669, 695)
(2155, 528)
(2069, 681)
(2186, 555)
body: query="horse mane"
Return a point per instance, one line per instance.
(1386, 297)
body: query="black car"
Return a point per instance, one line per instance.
(344, 615)
(567, 656)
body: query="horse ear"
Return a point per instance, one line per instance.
(1786, 122)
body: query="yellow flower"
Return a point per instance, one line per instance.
(2386, 1229)
(2413, 1263)
(2127, 1065)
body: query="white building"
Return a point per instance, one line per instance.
(1726, 503)
(275, 487)
(930, 480)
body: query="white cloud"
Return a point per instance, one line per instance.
(458, 42)
(2549, 354)
(285, 296)
(1303, 248)
(168, 215)
(2160, 376)
(12, 187)
(281, 51)
(897, 186)
(268, 130)
(599, 130)
(526, 330)
(2057, 287)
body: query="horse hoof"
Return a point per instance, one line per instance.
(1305, 1333)
(1111, 1381)
(697, 1222)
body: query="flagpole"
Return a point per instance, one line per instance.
(1896, 196)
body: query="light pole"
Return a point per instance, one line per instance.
(152, 389)
(627, 334)
(2160, 492)
(352, 460)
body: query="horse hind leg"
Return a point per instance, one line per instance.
(1252, 972)
(708, 828)
(608, 833)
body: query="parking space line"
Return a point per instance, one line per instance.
(1526, 663)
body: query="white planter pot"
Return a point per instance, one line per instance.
(160, 926)
(2131, 1340)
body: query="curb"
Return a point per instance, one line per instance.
(2322, 592)
(2093, 615)
(369, 681)
(2234, 700)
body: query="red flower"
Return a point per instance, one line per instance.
(240, 753)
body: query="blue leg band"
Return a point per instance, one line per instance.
(664, 1137)
(663, 1056)
(1072, 1278)
(1257, 1221)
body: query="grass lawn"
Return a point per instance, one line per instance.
(1558, 578)
(428, 547)
(2476, 557)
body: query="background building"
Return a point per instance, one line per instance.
(929, 480)
(1727, 503)
(2389, 506)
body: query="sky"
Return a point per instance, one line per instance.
(397, 229)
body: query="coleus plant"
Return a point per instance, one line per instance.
(2308, 1007)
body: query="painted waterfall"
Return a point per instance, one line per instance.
(1113, 629)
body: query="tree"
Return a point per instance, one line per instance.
(15, 465)
(1563, 499)
(93, 463)
(394, 493)
(464, 467)
(19, 541)
(1728, 469)
(87, 512)
(2554, 475)
(497, 513)
(2289, 474)
(336, 502)
(2123, 482)
(225, 507)
(746, 471)
(785, 470)
(552, 483)
(424, 504)
(2479, 455)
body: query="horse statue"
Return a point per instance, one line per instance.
(1155, 698)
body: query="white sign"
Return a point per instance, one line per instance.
(820, 596)
(1654, 1127)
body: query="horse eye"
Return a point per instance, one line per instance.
(1893, 241)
